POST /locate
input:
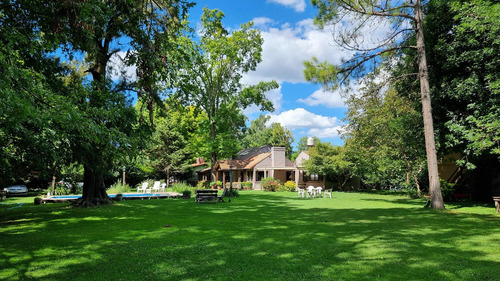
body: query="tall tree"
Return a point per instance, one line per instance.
(212, 79)
(169, 149)
(464, 69)
(403, 19)
(259, 133)
(378, 137)
(328, 160)
(99, 120)
(34, 105)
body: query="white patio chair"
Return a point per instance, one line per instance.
(318, 191)
(327, 192)
(143, 188)
(156, 186)
(301, 192)
(311, 191)
(162, 188)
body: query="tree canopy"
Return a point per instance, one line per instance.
(211, 80)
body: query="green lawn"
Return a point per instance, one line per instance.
(258, 236)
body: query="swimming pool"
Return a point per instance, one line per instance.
(66, 198)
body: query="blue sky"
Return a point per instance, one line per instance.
(289, 38)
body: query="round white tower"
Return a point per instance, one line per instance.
(310, 142)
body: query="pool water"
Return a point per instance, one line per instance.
(110, 195)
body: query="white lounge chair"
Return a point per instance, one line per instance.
(301, 192)
(143, 188)
(327, 192)
(156, 186)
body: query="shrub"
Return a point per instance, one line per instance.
(412, 192)
(246, 185)
(203, 184)
(271, 184)
(186, 193)
(214, 184)
(232, 193)
(61, 189)
(180, 187)
(290, 186)
(447, 190)
(118, 187)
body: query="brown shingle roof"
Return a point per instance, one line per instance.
(240, 164)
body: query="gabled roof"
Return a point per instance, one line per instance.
(249, 153)
(240, 164)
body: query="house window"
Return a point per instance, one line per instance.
(313, 177)
(250, 176)
(260, 175)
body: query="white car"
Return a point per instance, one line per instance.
(19, 189)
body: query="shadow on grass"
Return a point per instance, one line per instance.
(259, 236)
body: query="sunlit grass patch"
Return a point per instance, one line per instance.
(258, 236)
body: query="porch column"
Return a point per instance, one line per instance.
(297, 175)
(254, 177)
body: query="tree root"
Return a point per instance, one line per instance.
(89, 203)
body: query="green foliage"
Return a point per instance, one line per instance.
(328, 160)
(247, 185)
(447, 189)
(181, 187)
(118, 187)
(260, 134)
(379, 140)
(186, 193)
(465, 61)
(290, 186)
(232, 192)
(62, 189)
(169, 150)
(203, 184)
(412, 192)
(74, 112)
(271, 184)
(211, 80)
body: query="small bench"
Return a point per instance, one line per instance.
(207, 195)
(497, 203)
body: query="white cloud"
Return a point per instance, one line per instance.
(301, 118)
(328, 99)
(117, 65)
(332, 132)
(287, 47)
(314, 124)
(297, 5)
(262, 22)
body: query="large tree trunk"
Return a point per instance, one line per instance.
(430, 143)
(94, 191)
(214, 152)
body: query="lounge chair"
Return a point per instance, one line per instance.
(143, 188)
(156, 186)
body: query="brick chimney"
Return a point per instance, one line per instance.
(278, 157)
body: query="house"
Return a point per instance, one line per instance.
(201, 170)
(303, 179)
(253, 165)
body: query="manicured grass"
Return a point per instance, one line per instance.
(258, 236)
